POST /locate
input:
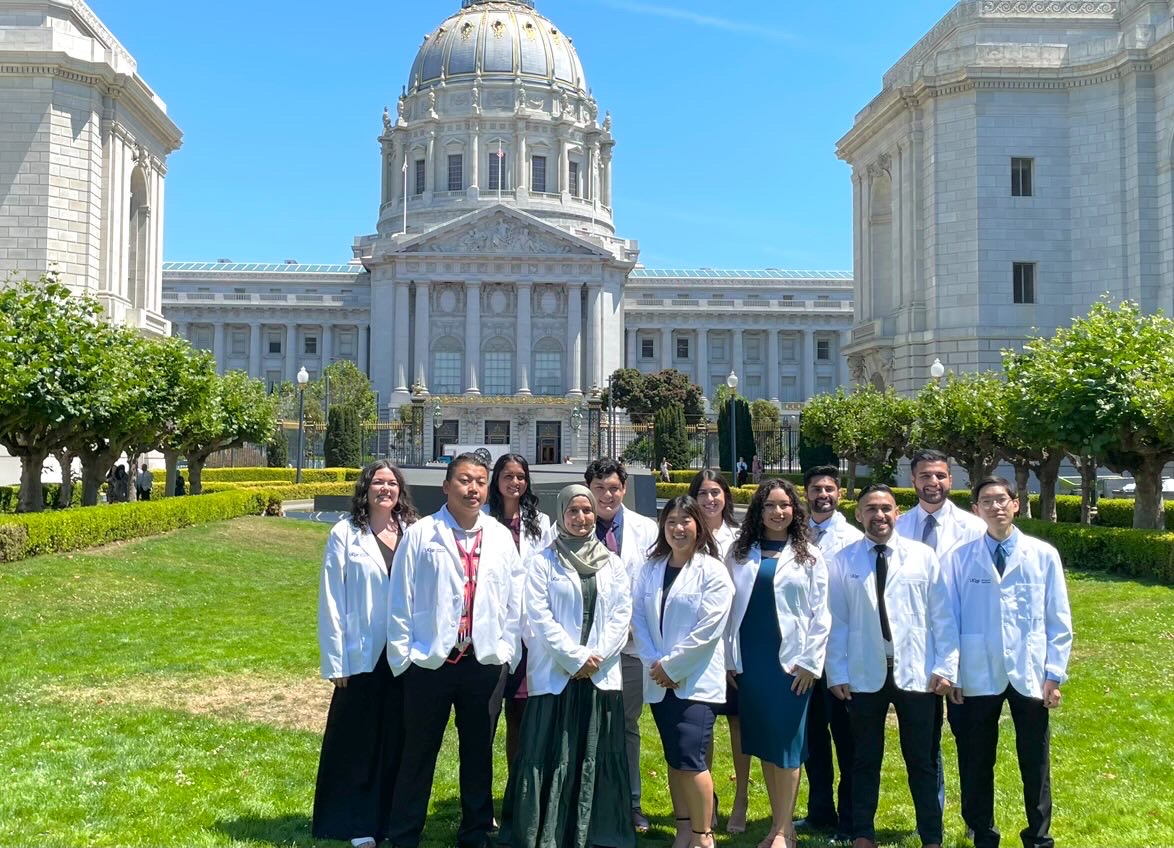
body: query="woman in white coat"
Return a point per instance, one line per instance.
(712, 493)
(777, 641)
(680, 606)
(569, 786)
(513, 504)
(364, 728)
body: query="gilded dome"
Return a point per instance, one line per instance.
(506, 38)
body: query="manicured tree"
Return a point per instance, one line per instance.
(670, 438)
(348, 387)
(277, 449)
(965, 417)
(745, 433)
(865, 427)
(344, 438)
(643, 394)
(767, 422)
(1103, 388)
(1030, 445)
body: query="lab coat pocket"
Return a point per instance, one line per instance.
(1029, 602)
(909, 601)
(974, 671)
(352, 634)
(685, 605)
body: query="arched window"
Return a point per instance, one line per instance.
(447, 365)
(137, 235)
(548, 367)
(498, 369)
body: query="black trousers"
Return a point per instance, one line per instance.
(917, 728)
(975, 723)
(826, 712)
(633, 692)
(429, 696)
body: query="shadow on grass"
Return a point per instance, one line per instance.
(1090, 576)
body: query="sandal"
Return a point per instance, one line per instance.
(364, 842)
(699, 843)
(769, 840)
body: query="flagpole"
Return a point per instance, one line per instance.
(405, 171)
(500, 169)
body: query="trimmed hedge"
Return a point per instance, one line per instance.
(282, 475)
(10, 496)
(1147, 554)
(671, 490)
(74, 529)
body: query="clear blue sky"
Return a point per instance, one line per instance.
(726, 117)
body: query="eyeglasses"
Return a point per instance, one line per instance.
(991, 503)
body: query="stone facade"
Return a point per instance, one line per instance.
(83, 159)
(1015, 166)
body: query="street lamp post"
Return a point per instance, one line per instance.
(437, 423)
(732, 382)
(303, 378)
(937, 370)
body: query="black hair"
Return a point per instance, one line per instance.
(993, 480)
(528, 503)
(710, 475)
(690, 507)
(821, 471)
(405, 510)
(876, 487)
(605, 467)
(750, 533)
(926, 455)
(469, 458)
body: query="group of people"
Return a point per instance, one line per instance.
(796, 626)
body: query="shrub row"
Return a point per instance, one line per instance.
(10, 496)
(1146, 554)
(32, 534)
(741, 495)
(283, 475)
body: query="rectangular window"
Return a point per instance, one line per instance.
(789, 349)
(497, 169)
(420, 176)
(446, 372)
(538, 174)
(823, 349)
(682, 348)
(753, 348)
(346, 344)
(647, 348)
(310, 345)
(238, 344)
(1023, 282)
(456, 171)
(201, 338)
(823, 385)
(790, 392)
(1021, 176)
(275, 343)
(717, 350)
(499, 373)
(573, 179)
(548, 374)
(497, 432)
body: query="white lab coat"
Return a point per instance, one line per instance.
(839, 534)
(1015, 629)
(528, 546)
(925, 639)
(689, 641)
(955, 526)
(801, 602)
(724, 538)
(553, 627)
(638, 536)
(427, 593)
(352, 602)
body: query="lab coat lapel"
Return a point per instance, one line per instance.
(370, 544)
(656, 577)
(443, 534)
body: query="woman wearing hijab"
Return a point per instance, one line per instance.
(569, 786)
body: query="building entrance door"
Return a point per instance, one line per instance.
(550, 442)
(448, 433)
(497, 432)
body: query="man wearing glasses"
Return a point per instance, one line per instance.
(1008, 595)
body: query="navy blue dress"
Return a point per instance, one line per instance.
(774, 719)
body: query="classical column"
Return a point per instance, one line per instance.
(380, 346)
(703, 361)
(402, 318)
(858, 243)
(430, 170)
(179, 330)
(666, 348)
(361, 337)
(472, 337)
(630, 334)
(523, 180)
(864, 277)
(772, 365)
(327, 344)
(423, 326)
(218, 351)
(738, 357)
(574, 341)
(291, 352)
(595, 336)
(524, 341)
(844, 339)
(808, 364)
(255, 333)
(564, 166)
(475, 165)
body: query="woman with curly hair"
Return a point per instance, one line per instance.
(513, 504)
(364, 728)
(776, 642)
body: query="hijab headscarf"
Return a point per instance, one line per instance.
(585, 554)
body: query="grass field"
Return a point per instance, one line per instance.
(164, 692)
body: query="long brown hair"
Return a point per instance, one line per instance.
(404, 511)
(690, 507)
(750, 533)
(710, 475)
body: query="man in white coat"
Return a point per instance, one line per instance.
(454, 616)
(629, 535)
(1009, 597)
(893, 641)
(828, 809)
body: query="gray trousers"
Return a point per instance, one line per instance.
(633, 702)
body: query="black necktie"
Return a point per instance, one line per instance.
(882, 571)
(1000, 559)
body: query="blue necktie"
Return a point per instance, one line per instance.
(1000, 559)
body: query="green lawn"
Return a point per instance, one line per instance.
(165, 692)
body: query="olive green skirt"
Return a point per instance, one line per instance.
(569, 786)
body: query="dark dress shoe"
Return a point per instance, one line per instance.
(640, 821)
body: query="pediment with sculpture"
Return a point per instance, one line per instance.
(500, 235)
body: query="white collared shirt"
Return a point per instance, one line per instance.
(955, 526)
(833, 534)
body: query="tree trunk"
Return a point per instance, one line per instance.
(32, 493)
(1149, 511)
(1048, 472)
(1088, 488)
(171, 462)
(95, 466)
(196, 462)
(65, 493)
(851, 482)
(1022, 476)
